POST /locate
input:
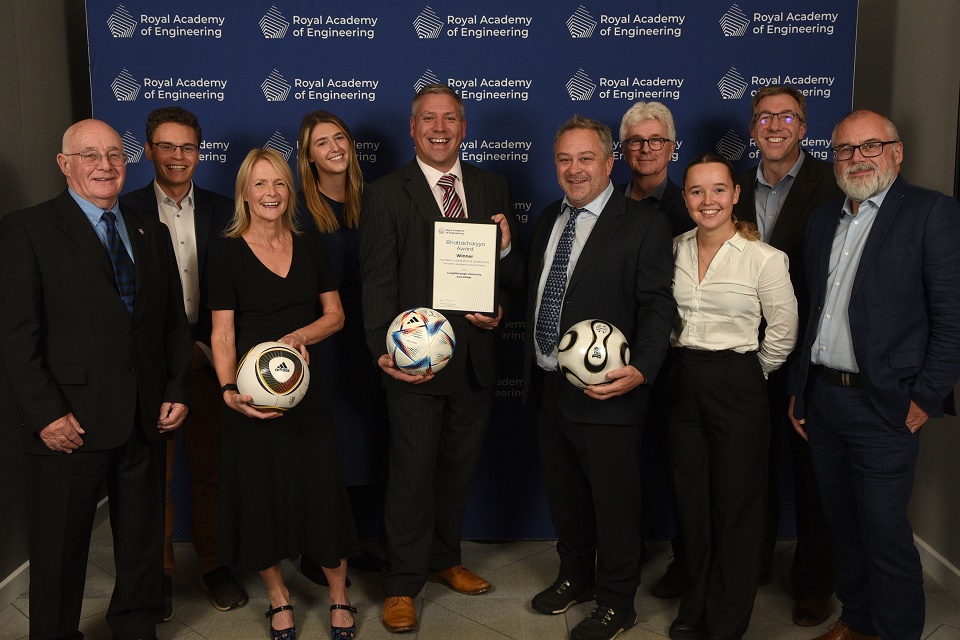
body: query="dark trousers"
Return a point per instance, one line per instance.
(865, 467)
(435, 444)
(592, 480)
(63, 493)
(719, 436)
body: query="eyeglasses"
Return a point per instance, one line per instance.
(785, 117)
(168, 148)
(867, 149)
(116, 158)
(636, 144)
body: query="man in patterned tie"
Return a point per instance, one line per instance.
(595, 254)
(96, 347)
(437, 424)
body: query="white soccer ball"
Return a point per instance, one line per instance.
(589, 349)
(275, 375)
(420, 340)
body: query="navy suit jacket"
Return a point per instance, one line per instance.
(212, 214)
(623, 276)
(673, 206)
(905, 306)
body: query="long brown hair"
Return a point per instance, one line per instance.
(310, 177)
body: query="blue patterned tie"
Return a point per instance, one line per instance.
(123, 269)
(549, 316)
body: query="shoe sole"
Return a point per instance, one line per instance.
(584, 597)
(398, 629)
(431, 578)
(624, 628)
(810, 622)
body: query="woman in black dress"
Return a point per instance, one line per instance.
(282, 491)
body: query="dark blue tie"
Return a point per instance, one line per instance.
(123, 269)
(549, 317)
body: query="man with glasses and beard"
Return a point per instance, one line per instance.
(880, 356)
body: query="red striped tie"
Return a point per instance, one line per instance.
(452, 207)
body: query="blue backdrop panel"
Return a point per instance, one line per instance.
(250, 70)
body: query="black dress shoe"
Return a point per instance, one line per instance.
(683, 631)
(559, 596)
(313, 572)
(226, 593)
(603, 624)
(810, 610)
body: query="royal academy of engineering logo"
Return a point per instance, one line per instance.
(732, 85)
(121, 23)
(580, 86)
(132, 147)
(428, 24)
(581, 24)
(125, 88)
(734, 22)
(274, 24)
(275, 87)
(428, 77)
(731, 146)
(279, 144)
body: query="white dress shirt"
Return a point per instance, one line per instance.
(746, 280)
(433, 177)
(183, 232)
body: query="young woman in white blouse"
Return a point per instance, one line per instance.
(725, 282)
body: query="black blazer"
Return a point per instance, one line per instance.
(396, 231)
(212, 214)
(673, 206)
(905, 305)
(623, 276)
(67, 342)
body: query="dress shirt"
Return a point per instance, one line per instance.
(183, 232)
(94, 213)
(655, 197)
(584, 227)
(769, 199)
(834, 344)
(747, 280)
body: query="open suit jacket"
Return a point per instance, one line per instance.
(904, 309)
(396, 235)
(212, 214)
(673, 206)
(67, 342)
(623, 276)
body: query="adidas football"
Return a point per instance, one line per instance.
(420, 341)
(589, 349)
(274, 374)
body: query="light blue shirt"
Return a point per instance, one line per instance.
(95, 216)
(584, 227)
(833, 347)
(769, 199)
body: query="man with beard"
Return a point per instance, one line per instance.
(880, 356)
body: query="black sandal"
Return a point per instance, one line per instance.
(343, 633)
(282, 634)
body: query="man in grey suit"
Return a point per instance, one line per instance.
(778, 196)
(437, 423)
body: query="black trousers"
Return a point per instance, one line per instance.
(592, 479)
(719, 435)
(63, 493)
(435, 444)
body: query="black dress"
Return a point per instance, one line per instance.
(281, 487)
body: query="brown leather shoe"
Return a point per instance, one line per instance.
(810, 610)
(840, 631)
(461, 580)
(399, 614)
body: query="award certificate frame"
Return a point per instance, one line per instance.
(466, 266)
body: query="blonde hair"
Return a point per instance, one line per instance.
(241, 211)
(317, 205)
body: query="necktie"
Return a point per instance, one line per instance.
(452, 207)
(123, 269)
(549, 316)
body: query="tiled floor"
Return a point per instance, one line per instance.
(516, 569)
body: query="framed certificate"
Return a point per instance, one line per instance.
(466, 266)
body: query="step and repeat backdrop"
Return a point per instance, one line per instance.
(251, 70)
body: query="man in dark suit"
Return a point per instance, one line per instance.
(880, 355)
(778, 196)
(437, 424)
(96, 347)
(648, 140)
(595, 254)
(195, 218)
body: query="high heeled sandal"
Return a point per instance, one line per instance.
(343, 633)
(281, 634)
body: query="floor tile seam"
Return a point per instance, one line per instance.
(462, 615)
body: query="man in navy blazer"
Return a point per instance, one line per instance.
(100, 374)
(880, 355)
(195, 218)
(595, 254)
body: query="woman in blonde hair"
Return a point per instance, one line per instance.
(725, 282)
(281, 488)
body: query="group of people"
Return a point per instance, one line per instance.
(821, 302)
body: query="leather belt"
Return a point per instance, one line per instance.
(840, 378)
